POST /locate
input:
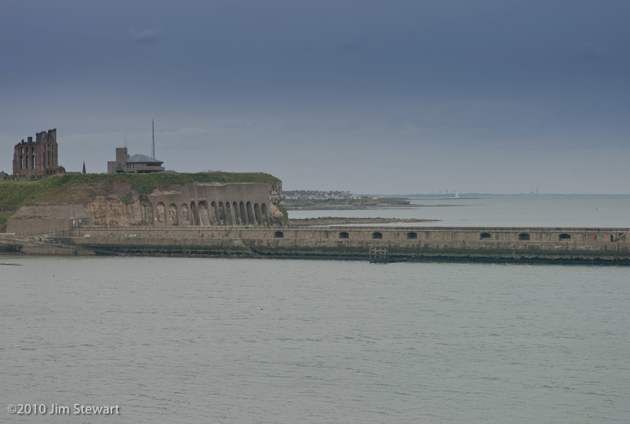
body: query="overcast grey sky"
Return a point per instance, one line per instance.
(362, 95)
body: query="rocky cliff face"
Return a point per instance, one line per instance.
(124, 207)
(113, 211)
(275, 192)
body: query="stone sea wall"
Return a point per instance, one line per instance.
(581, 245)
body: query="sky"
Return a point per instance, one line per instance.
(493, 96)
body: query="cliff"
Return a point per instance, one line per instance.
(113, 199)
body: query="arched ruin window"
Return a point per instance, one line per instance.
(412, 235)
(278, 234)
(523, 236)
(344, 235)
(564, 237)
(483, 236)
(377, 235)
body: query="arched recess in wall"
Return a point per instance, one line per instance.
(243, 213)
(212, 212)
(564, 237)
(221, 214)
(185, 214)
(172, 212)
(278, 234)
(228, 214)
(377, 235)
(523, 236)
(257, 214)
(412, 235)
(344, 235)
(251, 217)
(484, 236)
(204, 218)
(161, 218)
(265, 214)
(237, 215)
(194, 214)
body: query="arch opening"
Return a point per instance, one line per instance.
(172, 212)
(278, 234)
(344, 235)
(251, 220)
(484, 236)
(213, 213)
(377, 235)
(185, 215)
(237, 214)
(564, 237)
(194, 214)
(243, 213)
(221, 214)
(228, 213)
(412, 235)
(257, 214)
(523, 236)
(161, 213)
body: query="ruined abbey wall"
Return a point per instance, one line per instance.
(37, 158)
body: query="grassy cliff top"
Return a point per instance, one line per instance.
(77, 188)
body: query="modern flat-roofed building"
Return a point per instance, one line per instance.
(136, 164)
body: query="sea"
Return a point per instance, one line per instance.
(212, 340)
(501, 211)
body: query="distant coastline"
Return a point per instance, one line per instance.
(352, 221)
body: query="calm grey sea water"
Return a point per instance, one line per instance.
(271, 341)
(282, 341)
(506, 211)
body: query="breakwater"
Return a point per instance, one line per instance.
(488, 244)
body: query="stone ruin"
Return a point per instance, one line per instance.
(37, 158)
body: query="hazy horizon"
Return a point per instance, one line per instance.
(366, 96)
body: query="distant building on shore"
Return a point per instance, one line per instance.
(136, 164)
(37, 158)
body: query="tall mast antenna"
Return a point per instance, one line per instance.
(153, 139)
